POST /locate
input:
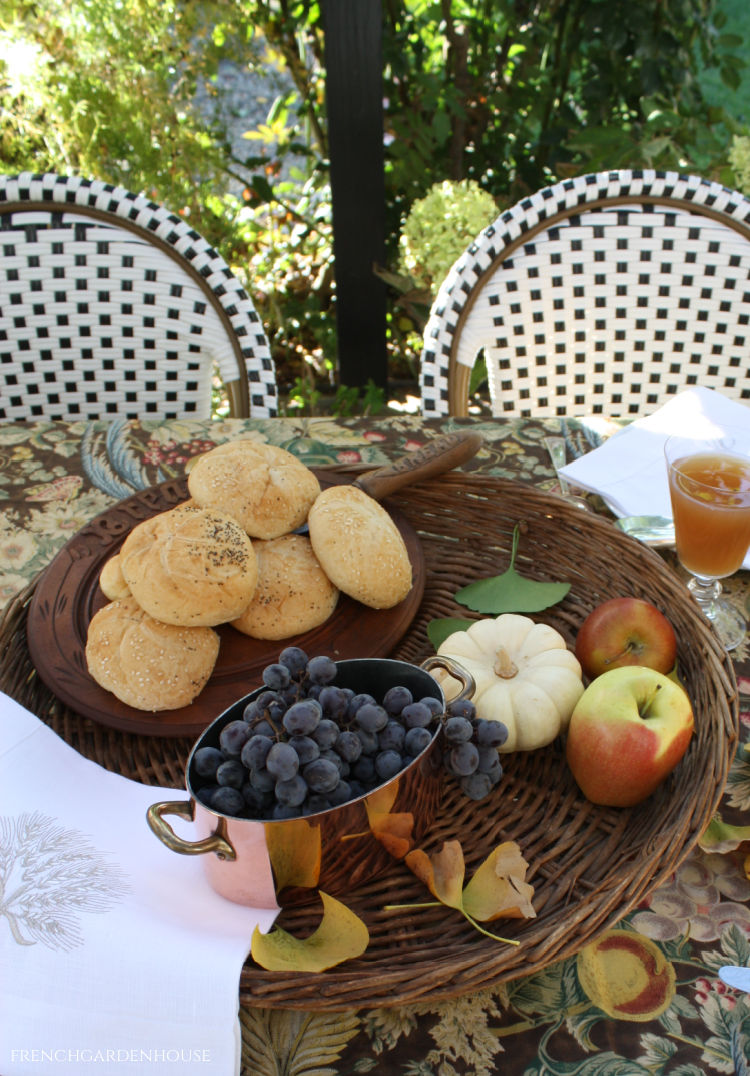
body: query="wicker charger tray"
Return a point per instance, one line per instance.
(589, 865)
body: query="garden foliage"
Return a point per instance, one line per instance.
(508, 93)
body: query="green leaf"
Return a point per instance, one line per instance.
(262, 188)
(511, 592)
(720, 836)
(439, 630)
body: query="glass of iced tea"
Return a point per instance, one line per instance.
(709, 485)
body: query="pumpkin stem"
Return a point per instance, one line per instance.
(504, 666)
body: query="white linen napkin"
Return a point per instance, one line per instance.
(115, 953)
(629, 470)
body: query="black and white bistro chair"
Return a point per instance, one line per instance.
(112, 305)
(600, 294)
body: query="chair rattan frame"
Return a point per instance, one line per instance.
(601, 294)
(112, 305)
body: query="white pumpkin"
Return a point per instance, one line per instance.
(525, 677)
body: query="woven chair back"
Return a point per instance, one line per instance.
(112, 305)
(600, 294)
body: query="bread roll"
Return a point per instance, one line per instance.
(190, 566)
(266, 489)
(293, 594)
(111, 580)
(147, 664)
(360, 547)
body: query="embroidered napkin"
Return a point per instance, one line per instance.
(115, 953)
(629, 471)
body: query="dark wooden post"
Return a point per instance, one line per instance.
(354, 102)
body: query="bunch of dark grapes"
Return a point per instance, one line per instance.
(304, 744)
(470, 752)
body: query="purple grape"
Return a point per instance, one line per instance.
(228, 801)
(396, 698)
(231, 773)
(302, 718)
(476, 785)
(391, 737)
(276, 676)
(342, 793)
(282, 761)
(321, 670)
(334, 701)
(464, 759)
(349, 746)
(306, 748)
(321, 775)
(388, 764)
(364, 770)
(416, 740)
(326, 734)
(416, 715)
(371, 718)
(255, 752)
(295, 661)
(491, 733)
(206, 761)
(358, 700)
(434, 705)
(233, 738)
(461, 708)
(291, 793)
(261, 780)
(458, 730)
(368, 740)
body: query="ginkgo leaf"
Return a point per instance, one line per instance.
(442, 873)
(720, 836)
(511, 592)
(295, 852)
(392, 828)
(439, 630)
(497, 887)
(340, 936)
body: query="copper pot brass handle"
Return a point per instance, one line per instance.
(217, 842)
(458, 672)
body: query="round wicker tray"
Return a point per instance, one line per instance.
(589, 865)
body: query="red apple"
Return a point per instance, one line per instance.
(625, 631)
(629, 729)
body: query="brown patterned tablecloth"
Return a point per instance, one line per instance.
(645, 998)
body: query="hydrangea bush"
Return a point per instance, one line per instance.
(439, 226)
(739, 160)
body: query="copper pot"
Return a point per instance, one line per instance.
(272, 864)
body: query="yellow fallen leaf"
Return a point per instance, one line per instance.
(382, 799)
(295, 853)
(340, 936)
(393, 829)
(442, 873)
(498, 887)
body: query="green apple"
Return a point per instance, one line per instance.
(625, 631)
(628, 731)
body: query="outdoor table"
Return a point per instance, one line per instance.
(662, 1008)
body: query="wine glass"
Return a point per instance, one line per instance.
(709, 485)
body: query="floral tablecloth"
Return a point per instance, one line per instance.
(645, 998)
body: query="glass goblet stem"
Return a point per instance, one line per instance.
(728, 622)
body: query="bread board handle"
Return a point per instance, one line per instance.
(437, 456)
